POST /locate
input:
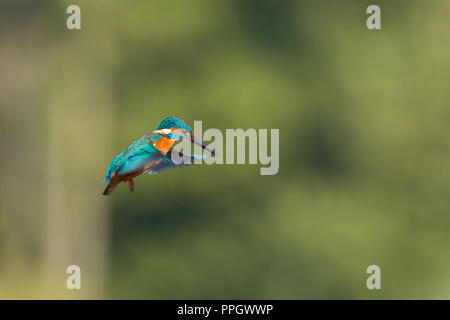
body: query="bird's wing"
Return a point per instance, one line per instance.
(140, 154)
(167, 163)
(139, 158)
(120, 158)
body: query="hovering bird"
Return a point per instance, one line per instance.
(151, 153)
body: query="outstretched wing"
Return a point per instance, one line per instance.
(167, 163)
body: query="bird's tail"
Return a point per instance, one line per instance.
(112, 184)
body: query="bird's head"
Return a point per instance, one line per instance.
(173, 122)
(175, 129)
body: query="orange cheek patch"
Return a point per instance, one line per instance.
(163, 144)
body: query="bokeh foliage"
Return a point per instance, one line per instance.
(364, 144)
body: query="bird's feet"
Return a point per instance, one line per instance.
(131, 184)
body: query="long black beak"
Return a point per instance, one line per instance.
(201, 143)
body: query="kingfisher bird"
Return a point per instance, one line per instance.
(151, 153)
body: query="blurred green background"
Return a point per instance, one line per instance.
(364, 149)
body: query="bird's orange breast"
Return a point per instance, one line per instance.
(163, 144)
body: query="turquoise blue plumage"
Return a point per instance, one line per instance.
(150, 154)
(138, 153)
(173, 122)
